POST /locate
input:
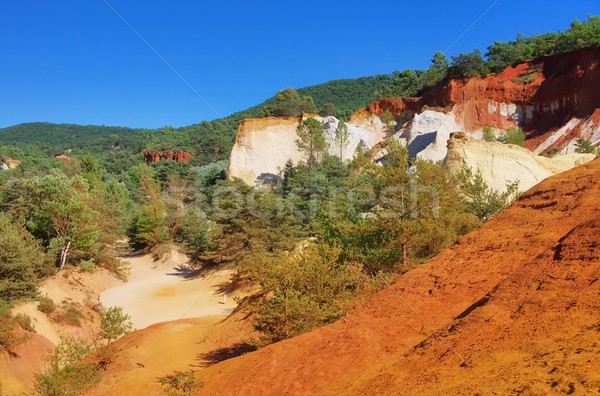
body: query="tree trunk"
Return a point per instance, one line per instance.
(64, 254)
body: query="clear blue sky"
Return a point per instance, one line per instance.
(76, 61)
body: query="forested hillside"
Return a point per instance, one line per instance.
(207, 141)
(211, 141)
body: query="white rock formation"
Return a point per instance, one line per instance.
(264, 145)
(502, 163)
(427, 134)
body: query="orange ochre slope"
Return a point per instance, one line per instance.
(513, 307)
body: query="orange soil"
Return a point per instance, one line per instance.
(512, 307)
(163, 349)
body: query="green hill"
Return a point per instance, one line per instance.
(207, 141)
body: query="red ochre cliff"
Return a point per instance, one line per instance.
(155, 156)
(554, 100)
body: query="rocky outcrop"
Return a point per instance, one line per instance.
(554, 100)
(63, 158)
(177, 156)
(264, 145)
(500, 164)
(402, 108)
(426, 135)
(9, 163)
(510, 308)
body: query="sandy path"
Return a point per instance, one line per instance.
(158, 292)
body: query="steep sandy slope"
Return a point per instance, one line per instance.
(78, 289)
(500, 163)
(144, 356)
(512, 307)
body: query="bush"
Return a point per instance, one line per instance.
(513, 135)
(208, 175)
(66, 373)
(469, 65)
(114, 323)
(106, 258)
(8, 325)
(195, 231)
(388, 119)
(180, 383)
(22, 261)
(303, 291)
(25, 322)
(69, 315)
(46, 305)
(484, 202)
(585, 146)
(488, 134)
(87, 266)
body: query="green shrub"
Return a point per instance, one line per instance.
(8, 325)
(488, 134)
(304, 291)
(87, 266)
(114, 323)
(46, 305)
(388, 119)
(483, 201)
(69, 314)
(513, 135)
(195, 231)
(528, 77)
(585, 146)
(107, 258)
(25, 322)
(66, 373)
(180, 383)
(22, 260)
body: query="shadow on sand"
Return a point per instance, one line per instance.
(221, 354)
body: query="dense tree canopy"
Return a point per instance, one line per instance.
(23, 262)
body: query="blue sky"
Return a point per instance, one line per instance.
(76, 61)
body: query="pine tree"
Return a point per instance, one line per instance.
(311, 140)
(342, 137)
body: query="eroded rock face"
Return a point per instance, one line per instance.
(177, 156)
(427, 134)
(500, 164)
(555, 101)
(264, 145)
(63, 158)
(9, 163)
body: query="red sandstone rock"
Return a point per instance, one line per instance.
(177, 156)
(545, 96)
(63, 158)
